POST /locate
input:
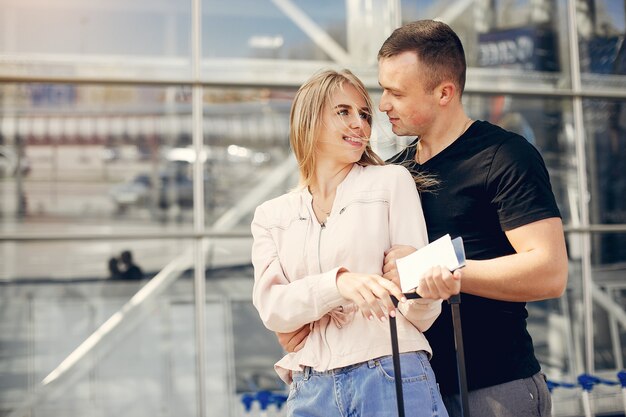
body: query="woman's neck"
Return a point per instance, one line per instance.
(327, 179)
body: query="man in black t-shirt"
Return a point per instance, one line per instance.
(494, 191)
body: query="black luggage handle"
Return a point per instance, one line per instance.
(454, 302)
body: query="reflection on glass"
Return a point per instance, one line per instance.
(508, 44)
(95, 153)
(601, 27)
(605, 121)
(246, 137)
(272, 30)
(156, 27)
(609, 289)
(142, 356)
(256, 351)
(557, 329)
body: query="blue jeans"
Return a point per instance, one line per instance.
(367, 389)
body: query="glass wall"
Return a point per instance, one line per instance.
(156, 128)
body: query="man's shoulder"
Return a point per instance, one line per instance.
(489, 140)
(496, 135)
(405, 154)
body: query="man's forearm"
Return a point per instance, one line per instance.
(519, 277)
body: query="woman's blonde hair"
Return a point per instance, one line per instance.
(305, 121)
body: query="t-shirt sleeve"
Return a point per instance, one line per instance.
(519, 184)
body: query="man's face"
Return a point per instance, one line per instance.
(410, 108)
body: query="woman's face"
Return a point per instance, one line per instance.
(346, 127)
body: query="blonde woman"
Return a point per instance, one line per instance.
(318, 255)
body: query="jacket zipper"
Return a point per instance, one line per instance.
(319, 247)
(379, 200)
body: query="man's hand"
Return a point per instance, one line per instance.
(438, 282)
(390, 271)
(294, 341)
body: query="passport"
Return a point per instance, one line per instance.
(444, 251)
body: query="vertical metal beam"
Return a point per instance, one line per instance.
(229, 345)
(377, 18)
(30, 368)
(616, 342)
(579, 139)
(198, 206)
(168, 363)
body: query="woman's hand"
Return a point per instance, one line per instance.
(371, 293)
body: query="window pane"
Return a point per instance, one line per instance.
(246, 135)
(95, 155)
(609, 301)
(558, 331)
(508, 44)
(112, 38)
(601, 43)
(605, 122)
(262, 29)
(142, 359)
(256, 350)
(601, 28)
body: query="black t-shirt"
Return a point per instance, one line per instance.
(490, 180)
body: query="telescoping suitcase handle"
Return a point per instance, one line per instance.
(454, 302)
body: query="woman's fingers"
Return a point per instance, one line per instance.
(391, 288)
(382, 289)
(371, 293)
(371, 303)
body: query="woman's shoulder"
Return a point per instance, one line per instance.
(385, 173)
(280, 206)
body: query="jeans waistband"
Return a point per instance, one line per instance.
(307, 371)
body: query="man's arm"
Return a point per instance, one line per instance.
(294, 341)
(537, 271)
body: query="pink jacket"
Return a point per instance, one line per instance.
(296, 261)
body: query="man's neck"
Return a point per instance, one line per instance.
(440, 137)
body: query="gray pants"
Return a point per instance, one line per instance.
(528, 397)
